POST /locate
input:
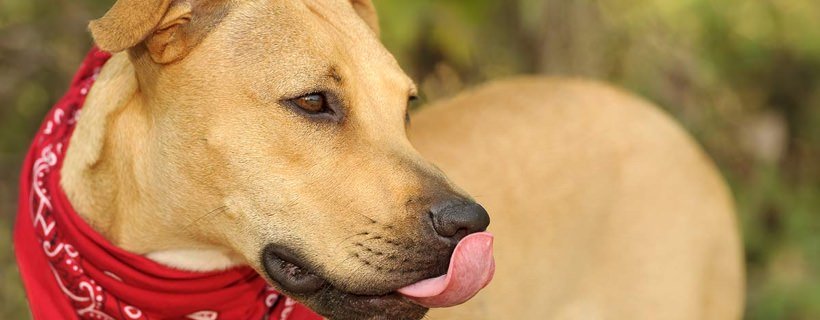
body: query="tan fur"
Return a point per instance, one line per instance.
(603, 208)
(367, 11)
(186, 153)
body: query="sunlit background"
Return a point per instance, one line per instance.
(742, 75)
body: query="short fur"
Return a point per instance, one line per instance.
(186, 153)
(603, 208)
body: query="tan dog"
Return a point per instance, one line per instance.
(245, 132)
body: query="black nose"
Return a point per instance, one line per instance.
(456, 219)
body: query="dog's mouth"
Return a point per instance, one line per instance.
(283, 267)
(296, 278)
(471, 268)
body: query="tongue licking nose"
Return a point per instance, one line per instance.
(471, 269)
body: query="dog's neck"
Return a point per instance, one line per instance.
(108, 180)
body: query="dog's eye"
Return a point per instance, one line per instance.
(412, 104)
(410, 101)
(313, 103)
(320, 106)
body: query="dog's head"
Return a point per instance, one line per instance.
(276, 129)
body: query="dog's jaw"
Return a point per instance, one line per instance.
(195, 260)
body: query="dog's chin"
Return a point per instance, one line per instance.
(340, 305)
(293, 278)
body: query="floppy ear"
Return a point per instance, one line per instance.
(367, 11)
(165, 26)
(127, 23)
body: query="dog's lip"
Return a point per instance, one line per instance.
(293, 273)
(287, 269)
(294, 277)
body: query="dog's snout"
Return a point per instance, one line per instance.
(455, 220)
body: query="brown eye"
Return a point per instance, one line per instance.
(319, 106)
(410, 106)
(312, 103)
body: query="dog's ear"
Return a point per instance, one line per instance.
(367, 11)
(163, 25)
(127, 23)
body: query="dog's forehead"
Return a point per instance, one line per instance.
(325, 25)
(319, 29)
(279, 46)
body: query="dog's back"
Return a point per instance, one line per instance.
(602, 206)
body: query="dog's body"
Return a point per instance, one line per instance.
(603, 207)
(200, 147)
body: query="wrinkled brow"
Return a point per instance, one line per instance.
(333, 74)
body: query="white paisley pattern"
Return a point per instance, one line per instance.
(87, 297)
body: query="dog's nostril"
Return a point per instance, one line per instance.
(458, 219)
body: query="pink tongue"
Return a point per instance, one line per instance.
(471, 269)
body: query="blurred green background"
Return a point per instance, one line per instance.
(742, 75)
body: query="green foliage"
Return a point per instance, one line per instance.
(743, 76)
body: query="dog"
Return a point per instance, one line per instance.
(274, 135)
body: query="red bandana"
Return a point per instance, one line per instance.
(71, 272)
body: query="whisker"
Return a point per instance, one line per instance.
(220, 210)
(368, 218)
(332, 271)
(348, 238)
